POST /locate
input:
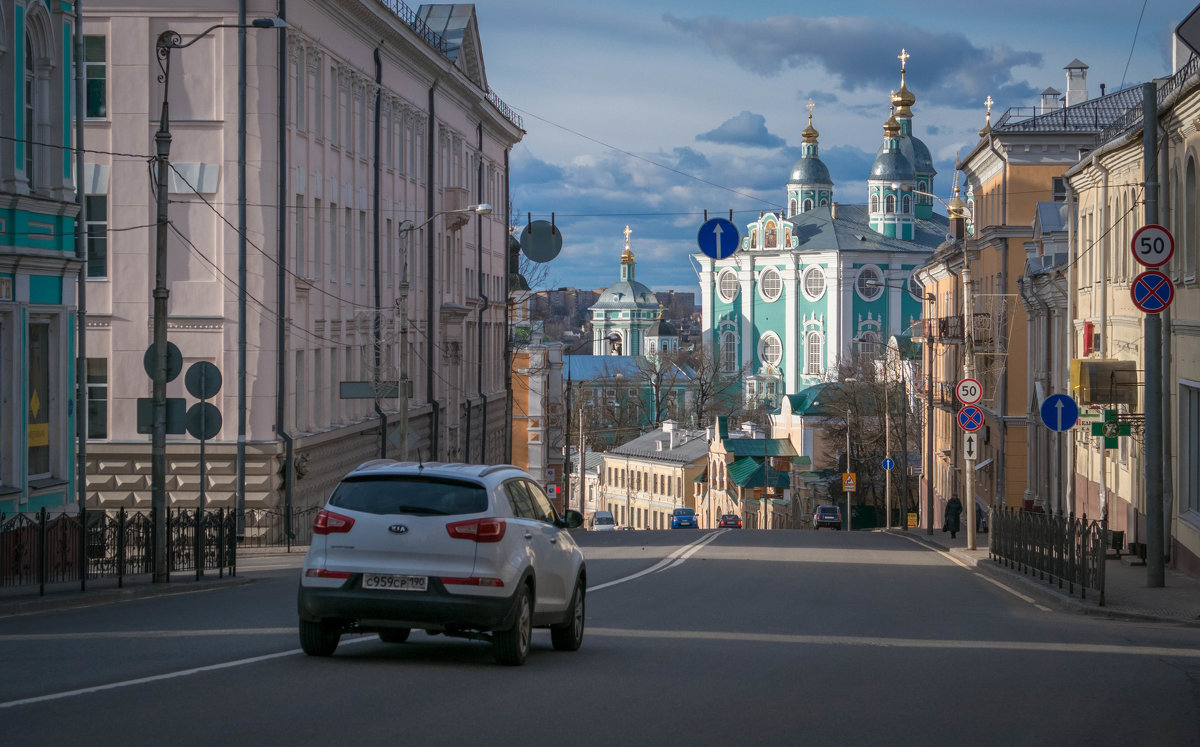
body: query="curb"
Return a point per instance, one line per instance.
(68, 600)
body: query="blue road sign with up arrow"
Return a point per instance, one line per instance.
(1059, 412)
(718, 238)
(889, 464)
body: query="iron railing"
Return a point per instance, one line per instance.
(42, 548)
(1062, 549)
(270, 528)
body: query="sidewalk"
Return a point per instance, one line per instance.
(1126, 595)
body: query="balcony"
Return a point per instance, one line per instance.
(950, 328)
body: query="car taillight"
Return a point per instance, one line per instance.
(480, 530)
(472, 581)
(322, 573)
(328, 522)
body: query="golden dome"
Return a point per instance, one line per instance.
(810, 133)
(627, 255)
(891, 128)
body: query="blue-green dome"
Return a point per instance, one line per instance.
(921, 158)
(810, 171)
(892, 166)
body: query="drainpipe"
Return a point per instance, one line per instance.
(430, 285)
(1064, 372)
(483, 304)
(508, 348)
(383, 421)
(999, 498)
(81, 420)
(1168, 486)
(1103, 285)
(281, 382)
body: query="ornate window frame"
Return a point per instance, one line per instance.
(811, 271)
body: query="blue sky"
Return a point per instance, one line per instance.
(648, 112)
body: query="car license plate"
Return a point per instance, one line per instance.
(394, 583)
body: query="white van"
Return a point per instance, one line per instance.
(603, 521)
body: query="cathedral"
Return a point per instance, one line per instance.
(823, 280)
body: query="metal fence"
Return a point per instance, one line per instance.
(1060, 549)
(42, 548)
(269, 528)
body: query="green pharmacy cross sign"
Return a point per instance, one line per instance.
(1110, 429)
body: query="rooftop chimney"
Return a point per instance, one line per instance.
(1049, 100)
(833, 211)
(1077, 83)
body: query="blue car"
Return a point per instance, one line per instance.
(684, 518)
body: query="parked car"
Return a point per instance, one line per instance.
(461, 550)
(827, 516)
(731, 521)
(603, 521)
(684, 518)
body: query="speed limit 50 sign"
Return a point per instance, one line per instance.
(969, 391)
(1153, 246)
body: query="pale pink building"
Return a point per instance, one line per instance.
(387, 124)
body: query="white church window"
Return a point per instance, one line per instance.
(814, 353)
(727, 285)
(808, 205)
(907, 204)
(889, 204)
(874, 203)
(868, 344)
(870, 283)
(814, 283)
(729, 345)
(770, 349)
(770, 284)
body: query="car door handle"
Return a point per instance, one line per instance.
(554, 540)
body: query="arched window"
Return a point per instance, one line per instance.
(1189, 217)
(728, 352)
(808, 205)
(824, 201)
(792, 208)
(35, 81)
(907, 203)
(889, 204)
(770, 349)
(30, 107)
(868, 344)
(874, 203)
(814, 353)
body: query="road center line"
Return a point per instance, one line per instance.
(167, 676)
(671, 560)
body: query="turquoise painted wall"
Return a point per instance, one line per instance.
(50, 500)
(45, 289)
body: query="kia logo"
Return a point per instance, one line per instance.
(398, 529)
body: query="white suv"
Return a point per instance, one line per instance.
(474, 551)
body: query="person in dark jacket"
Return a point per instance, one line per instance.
(953, 511)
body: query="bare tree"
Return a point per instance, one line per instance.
(715, 391)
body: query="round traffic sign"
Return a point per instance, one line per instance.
(174, 361)
(718, 238)
(541, 241)
(969, 391)
(1059, 412)
(202, 380)
(203, 420)
(970, 418)
(889, 464)
(1153, 246)
(1152, 291)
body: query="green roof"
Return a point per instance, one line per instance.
(747, 472)
(759, 447)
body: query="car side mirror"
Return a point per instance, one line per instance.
(571, 520)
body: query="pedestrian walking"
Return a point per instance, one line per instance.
(953, 511)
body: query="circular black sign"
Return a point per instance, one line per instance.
(174, 361)
(203, 380)
(203, 421)
(541, 241)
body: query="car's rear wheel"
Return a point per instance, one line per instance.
(319, 638)
(569, 635)
(395, 635)
(512, 646)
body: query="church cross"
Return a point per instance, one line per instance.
(628, 231)
(989, 103)
(903, 57)
(810, 108)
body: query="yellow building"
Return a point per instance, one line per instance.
(1017, 163)
(1107, 340)
(643, 481)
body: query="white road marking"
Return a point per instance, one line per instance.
(963, 565)
(145, 634)
(675, 558)
(166, 676)
(919, 643)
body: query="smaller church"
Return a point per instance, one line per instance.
(627, 318)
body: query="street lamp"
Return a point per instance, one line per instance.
(168, 41)
(407, 228)
(957, 210)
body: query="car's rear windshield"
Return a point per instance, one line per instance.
(684, 512)
(409, 494)
(604, 520)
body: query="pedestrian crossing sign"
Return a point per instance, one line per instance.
(849, 482)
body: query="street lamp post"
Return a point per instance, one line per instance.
(167, 42)
(406, 230)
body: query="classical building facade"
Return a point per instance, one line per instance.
(1017, 164)
(40, 257)
(808, 285)
(644, 480)
(350, 249)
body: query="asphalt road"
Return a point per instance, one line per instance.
(726, 637)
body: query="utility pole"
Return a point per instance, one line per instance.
(887, 448)
(1152, 362)
(969, 373)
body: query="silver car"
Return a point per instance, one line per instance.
(453, 549)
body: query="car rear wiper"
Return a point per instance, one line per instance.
(421, 511)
